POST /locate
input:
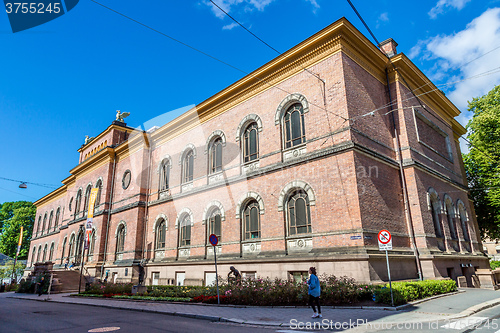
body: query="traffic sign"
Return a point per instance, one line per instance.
(384, 240)
(213, 239)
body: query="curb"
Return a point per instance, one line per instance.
(466, 313)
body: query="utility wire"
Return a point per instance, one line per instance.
(260, 39)
(208, 55)
(37, 184)
(406, 83)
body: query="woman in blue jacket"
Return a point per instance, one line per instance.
(314, 292)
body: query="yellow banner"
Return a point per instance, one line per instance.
(93, 196)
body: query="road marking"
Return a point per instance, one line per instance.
(104, 329)
(464, 323)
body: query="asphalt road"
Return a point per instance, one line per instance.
(32, 316)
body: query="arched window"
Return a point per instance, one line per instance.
(98, 185)
(92, 243)
(33, 254)
(188, 167)
(164, 175)
(87, 197)
(251, 143)
(58, 215)
(120, 241)
(39, 224)
(463, 222)
(294, 128)
(44, 253)
(435, 210)
(51, 252)
(39, 253)
(251, 220)
(78, 202)
(44, 223)
(51, 217)
(79, 246)
(298, 213)
(160, 233)
(63, 249)
(71, 251)
(451, 221)
(215, 156)
(185, 230)
(214, 224)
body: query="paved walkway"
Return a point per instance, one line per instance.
(459, 305)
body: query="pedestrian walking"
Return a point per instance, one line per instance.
(41, 284)
(314, 292)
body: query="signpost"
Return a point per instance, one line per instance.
(214, 241)
(385, 244)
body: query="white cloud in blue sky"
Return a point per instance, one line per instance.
(230, 26)
(469, 57)
(248, 5)
(444, 5)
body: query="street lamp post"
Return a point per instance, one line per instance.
(82, 230)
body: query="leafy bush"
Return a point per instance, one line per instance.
(109, 289)
(178, 291)
(404, 292)
(494, 264)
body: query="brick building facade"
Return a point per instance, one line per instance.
(300, 163)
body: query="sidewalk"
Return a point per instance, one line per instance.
(455, 306)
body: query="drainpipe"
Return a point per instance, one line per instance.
(148, 192)
(109, 213)
(409, 221)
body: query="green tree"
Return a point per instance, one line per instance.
(23, 215)
(482, 163)
(6, 269)
(7, 210)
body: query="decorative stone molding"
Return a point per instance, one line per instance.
(124, 228)
(214, 204)
(291, 154)
(251, 248)
(187, 187)
(188, 147)
(245, 122)
(215, 178)
(288, 101)
(210, 250)
(211, 137)
(181, 213)
(296, 185)
(158, 219)
(184, 253)
(162, 162)
(251, 167)
(247, 197)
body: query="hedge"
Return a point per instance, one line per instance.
(404, 292)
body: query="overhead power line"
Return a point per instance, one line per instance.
(208, 55)
(37, 184)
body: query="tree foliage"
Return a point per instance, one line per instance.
(13, 215)
(482, 163)
(6, 269)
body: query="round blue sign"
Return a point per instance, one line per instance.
(213, 239)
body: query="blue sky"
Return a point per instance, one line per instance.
(65, 79)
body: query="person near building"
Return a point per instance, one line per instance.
(236, 274)
(314, 292)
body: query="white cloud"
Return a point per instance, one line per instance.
(455, 55)
(384, 17)
(246, 5)
(443, 5)
(230, 26)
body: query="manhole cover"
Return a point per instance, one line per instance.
(104, 329)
